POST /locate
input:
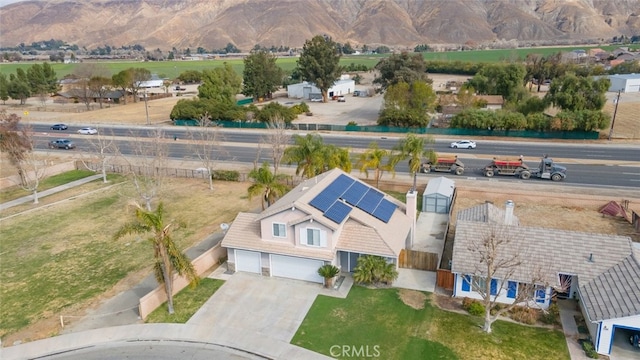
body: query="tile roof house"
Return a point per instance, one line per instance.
(494, 102)
(332, 218)
(602, 271)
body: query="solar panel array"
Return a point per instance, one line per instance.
(335, 200)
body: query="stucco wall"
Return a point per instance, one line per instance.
(202, 263)
(607, 331)
(502, 295)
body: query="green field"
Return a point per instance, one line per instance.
(171, 69)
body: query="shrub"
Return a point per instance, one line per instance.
(352, 123)
(275, 110)
(374, 269)
(301, 108)
(226, 175)
(476, 309)
(587, 346)
(524, 315)
(466, 302)
(552, 315)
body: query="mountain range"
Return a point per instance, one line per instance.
(395, 23)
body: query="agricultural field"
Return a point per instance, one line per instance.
(171, 69)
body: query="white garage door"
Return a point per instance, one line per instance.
(296, 268)
(248, 261)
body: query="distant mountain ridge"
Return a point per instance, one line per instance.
(395, 23)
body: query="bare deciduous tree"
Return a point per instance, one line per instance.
(278, 139)
(104, 150)
(14, 140)
(501, 262)
(148, 166)
(205, 144)
(18, 143)
(83, 87)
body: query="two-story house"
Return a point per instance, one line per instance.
(332, 218)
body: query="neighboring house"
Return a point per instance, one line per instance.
(601, 271)
(332, 218)
(308, 91)
(593, 52)
(494, 102)
(78, 95)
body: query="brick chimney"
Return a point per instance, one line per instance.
(508, 212)
(412, 211)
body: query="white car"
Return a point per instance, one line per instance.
(88, 131)
(463, 144)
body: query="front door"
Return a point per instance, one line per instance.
(564, 292)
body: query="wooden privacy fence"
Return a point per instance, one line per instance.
(419, 260)
(444, 279)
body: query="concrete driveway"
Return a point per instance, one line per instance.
(258, 305)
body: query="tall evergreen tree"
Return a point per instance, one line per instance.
(261, 75)
(319, 63)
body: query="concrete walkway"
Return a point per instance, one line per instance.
(47, 192)
(567, 312)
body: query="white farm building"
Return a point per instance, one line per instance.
(627, 83)
(306, 90)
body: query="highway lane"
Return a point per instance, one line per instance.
(510, 148)
(599, 175)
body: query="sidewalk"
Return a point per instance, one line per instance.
(570, 328)
(122, 309)
(47, 192)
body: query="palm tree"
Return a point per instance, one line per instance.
(372, 158)
(307, 153)
(328, 272)
(412, 147)
(267, 184)
(167, 256)
(373, 269)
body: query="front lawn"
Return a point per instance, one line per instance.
(186, 302)
(377, 320)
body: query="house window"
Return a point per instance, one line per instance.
(494, 287)
(466, 283)
(540, 294)
(279, 230)
(313, 237)
(480, 282)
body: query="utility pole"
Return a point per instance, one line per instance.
(146, 110)
(615, 110)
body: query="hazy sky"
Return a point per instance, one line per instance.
(6, 2)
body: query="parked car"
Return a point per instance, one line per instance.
(62, 144)
(342, 99)
(463, 144)
(87, 131)
(59, 127)
(316, 99)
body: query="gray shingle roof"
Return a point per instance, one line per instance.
(487, 213)
(615, 293)
(603, 263)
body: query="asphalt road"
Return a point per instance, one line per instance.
(601, 166)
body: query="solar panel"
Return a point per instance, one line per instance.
(338, 211)
(323, 201)
(355, 192)
(384, 210)
(370, 201)
(331, 193)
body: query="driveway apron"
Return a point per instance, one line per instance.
(261, 305)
